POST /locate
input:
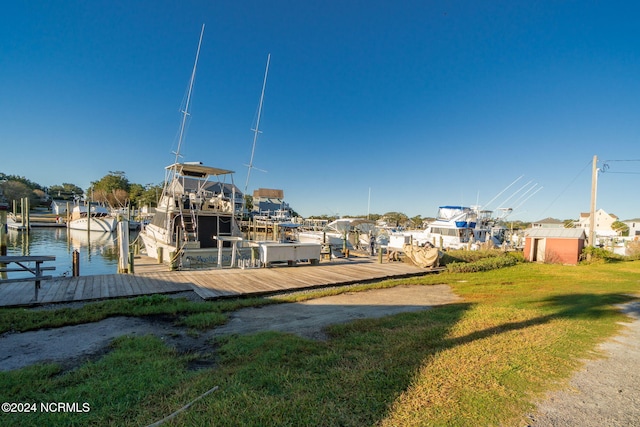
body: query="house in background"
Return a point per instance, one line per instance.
(269, 204)
(59, 207)
(548, 223)
(554, 245)
(602, 224)
(634, 227)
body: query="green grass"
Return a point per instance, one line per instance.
(198, 315)
(519, 332)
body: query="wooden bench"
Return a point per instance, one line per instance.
(21, 261)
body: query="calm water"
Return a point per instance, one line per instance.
(98, 251)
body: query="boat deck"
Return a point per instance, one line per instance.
(152, 278)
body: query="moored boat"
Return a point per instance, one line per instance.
(457, 227)
(95, 218)
(195, 217)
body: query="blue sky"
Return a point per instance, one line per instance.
(370, 106)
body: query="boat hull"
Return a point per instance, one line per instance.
(104, 225)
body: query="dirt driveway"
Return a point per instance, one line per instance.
(70, 345)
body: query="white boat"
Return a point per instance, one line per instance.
(343, 233)
(96, 218)
(13, 224)
(195, 216)
(456, 227)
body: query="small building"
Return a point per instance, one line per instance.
(59, 207)
(554, 245)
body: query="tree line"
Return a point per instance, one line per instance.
(113, 189)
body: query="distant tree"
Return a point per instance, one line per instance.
(569, 223)
(323, 216)
(396, 218)
(32, 185)
(112, 189)
(136, 191)
(65, 191)
(416, 221)
(17, 190)
(149, 196)
(248, 202)
(621, 228)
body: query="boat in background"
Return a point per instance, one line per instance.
(455, 227)
(14, 224)
(344, 233)
(95, 218)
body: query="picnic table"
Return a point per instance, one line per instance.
(6, 266)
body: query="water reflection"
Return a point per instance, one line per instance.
(98, 251)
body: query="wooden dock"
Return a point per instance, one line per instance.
(151, 278)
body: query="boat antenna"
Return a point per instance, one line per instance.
(185, 112)
(256, 131)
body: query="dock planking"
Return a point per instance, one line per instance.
(151, 278)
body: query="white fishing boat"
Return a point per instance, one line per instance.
(93, 218)
(195, 216)
(341, 234)
(195, 221)
(456, 227)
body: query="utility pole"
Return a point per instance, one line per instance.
(594, 191)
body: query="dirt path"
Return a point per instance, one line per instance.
(606, 392)
(71, 345)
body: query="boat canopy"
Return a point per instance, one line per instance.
(451, 212)
(197, 170)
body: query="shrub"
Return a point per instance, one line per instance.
(599, 255)
(485, 264)
(633, 250)
(468, 256)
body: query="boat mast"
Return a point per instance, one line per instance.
(185, 112)
(257, 129)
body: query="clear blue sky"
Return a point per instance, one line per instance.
(370, 105)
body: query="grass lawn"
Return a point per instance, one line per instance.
(519, 332)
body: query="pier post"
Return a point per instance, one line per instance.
(89, 219)
(27, 218)
(173, 260)
(76, 263)
(3, 230)
(123, 246)
(22, 211)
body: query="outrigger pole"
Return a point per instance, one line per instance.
(256, 130)
(185, 112)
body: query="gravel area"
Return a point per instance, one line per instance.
(606, 392)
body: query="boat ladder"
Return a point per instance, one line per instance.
(189, 224)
